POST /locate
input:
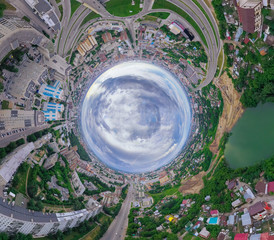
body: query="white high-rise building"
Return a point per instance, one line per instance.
(14, 219)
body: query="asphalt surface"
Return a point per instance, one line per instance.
(118, 227)
(7, 139)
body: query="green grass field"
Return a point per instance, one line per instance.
(75, 235)
(61, 11)
(162, 15)
(104, 218)
(22, 175)
(89, 17)
(158, 4)
(5, 104)
(92, 234)
(123, 8)
(8, 6)
(158, 196)
(74, 5)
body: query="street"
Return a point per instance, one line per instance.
(7, 139)
(118, 227)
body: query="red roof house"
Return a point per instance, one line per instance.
(246, 41)
(270, 187)
(231, 184)
(214, 213)
(261, 187)
(241, 236)
(264, 236)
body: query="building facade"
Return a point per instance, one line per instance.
(250, 14)
(79, 188)
(14, 219)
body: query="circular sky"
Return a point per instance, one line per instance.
(136, 117)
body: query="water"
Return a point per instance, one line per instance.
(252, 137)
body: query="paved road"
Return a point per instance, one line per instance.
(64, 20)
(118, 227)
(70, 30)
(7, 139)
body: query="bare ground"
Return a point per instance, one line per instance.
(192, 185)
(232, 111)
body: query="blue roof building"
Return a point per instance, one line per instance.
(52, 111)
(51, 91)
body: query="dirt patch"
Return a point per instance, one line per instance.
(192, 185)
(232, 110)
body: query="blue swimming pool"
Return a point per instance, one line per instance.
(213, 220)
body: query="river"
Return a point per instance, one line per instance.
(252, 137)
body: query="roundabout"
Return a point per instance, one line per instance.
(136, 117)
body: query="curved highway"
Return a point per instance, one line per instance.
(72, 27)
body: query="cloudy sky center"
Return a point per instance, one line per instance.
(136, 117)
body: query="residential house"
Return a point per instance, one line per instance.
(231, 220)
(255, 237)
(214, 213)
(232, 184)
(204, 233)
(241, 236)
(50, 161)
(188, 226)
(248, 195)
(236, 203)
(270, 187)
(246, 219)
(259, 210)
(261, 188)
